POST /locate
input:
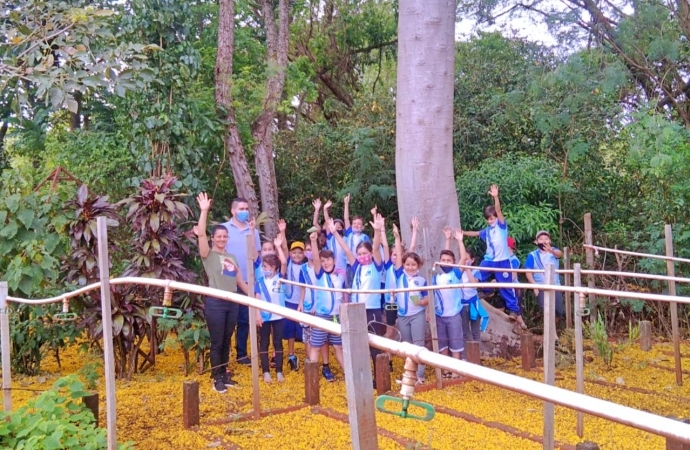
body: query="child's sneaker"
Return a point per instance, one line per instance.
(327, 374)
(228, 381)
(219, 386)
(280, 377)
(420, 381)
(267, 378)
(293, 362)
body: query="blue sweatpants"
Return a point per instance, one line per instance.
(508, 294)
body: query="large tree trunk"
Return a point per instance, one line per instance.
(424, 139)
(263, 126)
(223, 81)
(424, 120)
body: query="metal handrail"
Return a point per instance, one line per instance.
(601, 408)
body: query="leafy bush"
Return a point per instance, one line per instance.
(56, 419)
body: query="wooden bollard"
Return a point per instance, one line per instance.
(645, 335)
(472, 349)
(190, 404)
(383, 373)
(527, 351)
(587, 445)
(672, 444)
(91, 403)
(312, 394)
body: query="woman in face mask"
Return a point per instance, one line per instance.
(366, 266)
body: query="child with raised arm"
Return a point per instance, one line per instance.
(354, 231)
(327, 307)
(366, 269)
(267, 289)
(497, 253)
(448, 305)
(332, 244)
(474, 318)
(308, 298)
(412, 313)
(292, 293)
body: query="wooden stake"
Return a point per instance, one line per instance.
(358, 381)
(107, 314)
(579, 347)
(256, 394)
(587, 445)
(645, 335)
(190, 404)
(589, 253)
(383, 373)
(670, 268)
(473, 352)
(431, 307)
(549, 354)
(567, 295)
(312, 376)
(5, 349)
(527, 351)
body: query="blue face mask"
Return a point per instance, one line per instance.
(267, 273)
(242, 216)
(446, 269)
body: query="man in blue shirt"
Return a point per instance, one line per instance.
(239, 226)
(538, 259)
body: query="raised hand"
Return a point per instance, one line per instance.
(328, 204)
(203, 201)
(378, 222)
(282, 226)
(314, 236)
(317, 204)
(252, 223)
(396, 232)
(374, 210)
(447, 232)
(278, 241)
(330, 224)
(459, 235)
(415, 223)
(346, 200)
(493, 191)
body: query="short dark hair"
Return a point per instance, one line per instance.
(326, 254)
(236, 201)
(490, 211)
(418, 259)
(271, 260)
(217, 228)
(448, 253)
(358, 218)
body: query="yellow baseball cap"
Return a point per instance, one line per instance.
(297, 244)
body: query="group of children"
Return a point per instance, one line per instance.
(339, 255)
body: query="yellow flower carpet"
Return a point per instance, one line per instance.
(470, 415)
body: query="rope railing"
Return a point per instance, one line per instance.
(647, 276)
(601, 408)
(642, 255)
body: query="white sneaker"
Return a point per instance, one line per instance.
(267, 378)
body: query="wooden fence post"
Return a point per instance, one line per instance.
(383, 373)
(107, 321)
(190, 404)
(549, 354)
(358, 380)
(579, 346)
(256, 394)
(5, 349)
(670, 269)
(567, 295)
(527, 351)
(312, 376)
(589, 253)
(645, 335)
